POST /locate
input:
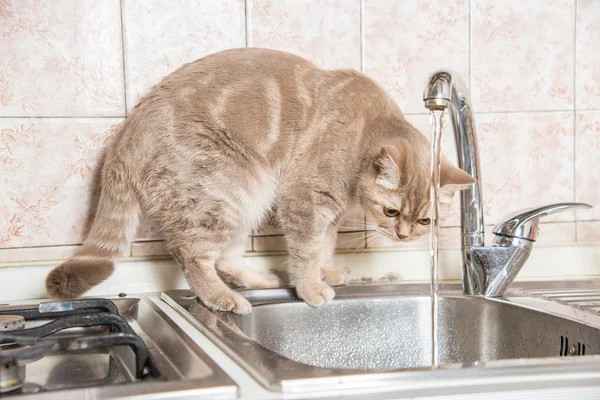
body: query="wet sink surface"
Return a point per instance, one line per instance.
(381, 335)
(396, 333)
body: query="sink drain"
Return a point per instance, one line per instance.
(566, 350)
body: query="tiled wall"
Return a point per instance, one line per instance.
(71, 69)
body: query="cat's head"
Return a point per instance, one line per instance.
(396, 190)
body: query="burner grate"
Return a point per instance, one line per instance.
(36, 348)
(63, 308)
(25, 345)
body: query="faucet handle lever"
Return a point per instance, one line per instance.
(524, 224)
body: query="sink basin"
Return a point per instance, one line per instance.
(396, 333)
(379, 336)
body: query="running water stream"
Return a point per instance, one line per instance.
(437, 123)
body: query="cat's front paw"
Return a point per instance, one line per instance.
(315, 294)
(227, 301)
(335, 277)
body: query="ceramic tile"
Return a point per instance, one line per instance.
(269, 243)
(588, 232)
(587, 163)
(159, 248)
(327, 32)
(160, 36)
(422, 123)
(351, 241)
(449, 237)
(556, 233)
(523, 55)
(406, 40)
(61, 58)
(526, 161)
(49, 253)
(588, 56)
(65, 58)
(148, 230)
(47, 178)
(549, 234)
(352, 220)
(151, 248)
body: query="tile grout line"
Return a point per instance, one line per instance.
(253, 249)
(524, 111)
(575, 117)
(142, 241)
(123, 55)
(365, 228)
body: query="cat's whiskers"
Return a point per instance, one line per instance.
(350, 241)
(371, 226)
(374, 236)
(284, 263)
(361, 245)
(356, 223)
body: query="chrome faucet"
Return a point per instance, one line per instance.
(486, 270)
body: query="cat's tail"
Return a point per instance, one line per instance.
(114, 226)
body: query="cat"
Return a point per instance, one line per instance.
(209, 150)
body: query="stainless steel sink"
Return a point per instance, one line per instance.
(384, 331)
(396, 333)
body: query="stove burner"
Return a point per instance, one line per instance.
(12, 375)
(35, 348)
(11, 322)
(20, 345)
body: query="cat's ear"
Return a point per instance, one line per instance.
(388, 174)
(453, 179)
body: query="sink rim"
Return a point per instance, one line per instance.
(279, 373)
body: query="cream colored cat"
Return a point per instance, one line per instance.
(210, 149)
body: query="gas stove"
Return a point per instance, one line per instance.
(102, 348)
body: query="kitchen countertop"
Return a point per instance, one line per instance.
(153, 276)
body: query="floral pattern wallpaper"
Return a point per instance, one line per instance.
(72, 69)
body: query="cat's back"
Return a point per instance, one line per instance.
(240, 69)
(230, 88)
(254, 81)
(263, 98)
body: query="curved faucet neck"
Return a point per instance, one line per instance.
(446, 92)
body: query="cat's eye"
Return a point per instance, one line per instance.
(424, 221)
(390, 212)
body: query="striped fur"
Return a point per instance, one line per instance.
(214, 146)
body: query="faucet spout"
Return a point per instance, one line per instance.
(486, 270)
(438, 91)
(444, 91)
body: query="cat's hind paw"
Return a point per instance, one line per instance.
(335, 277)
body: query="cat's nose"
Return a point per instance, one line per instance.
(403, 231)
